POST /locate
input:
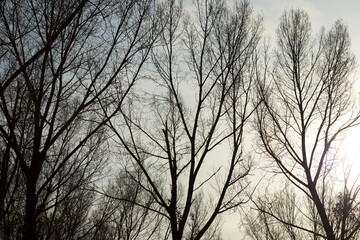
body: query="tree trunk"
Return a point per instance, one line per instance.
(322, 213)
(30, 210)
(4, 178)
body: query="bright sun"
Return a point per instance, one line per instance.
(349, 150)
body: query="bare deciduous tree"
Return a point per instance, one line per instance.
(125, 211)
(61, 61)
(274, 217)
(306, 105)
(203, 76)
(287, 215)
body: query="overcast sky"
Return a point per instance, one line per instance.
(321, 13)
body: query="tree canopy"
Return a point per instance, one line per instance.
(147, 119)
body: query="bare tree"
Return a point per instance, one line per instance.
(61, 61)
(306, 105)
(198, 217)
(198, 99)
(282, 215)
(68, 218)
(345, 210)
(287, 215)
(124, 211)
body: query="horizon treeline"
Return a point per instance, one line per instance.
(152, 119)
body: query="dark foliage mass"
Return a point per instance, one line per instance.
(134, 119)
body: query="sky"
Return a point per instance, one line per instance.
(321, 13)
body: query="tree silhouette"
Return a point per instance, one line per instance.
(126, 211)
(60, 63)
(70, 100)
(306, 105)
(171, 136)
(275, 216)
(285, 214)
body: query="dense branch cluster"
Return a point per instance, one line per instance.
(134, 119)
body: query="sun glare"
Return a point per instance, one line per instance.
(349, 152)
